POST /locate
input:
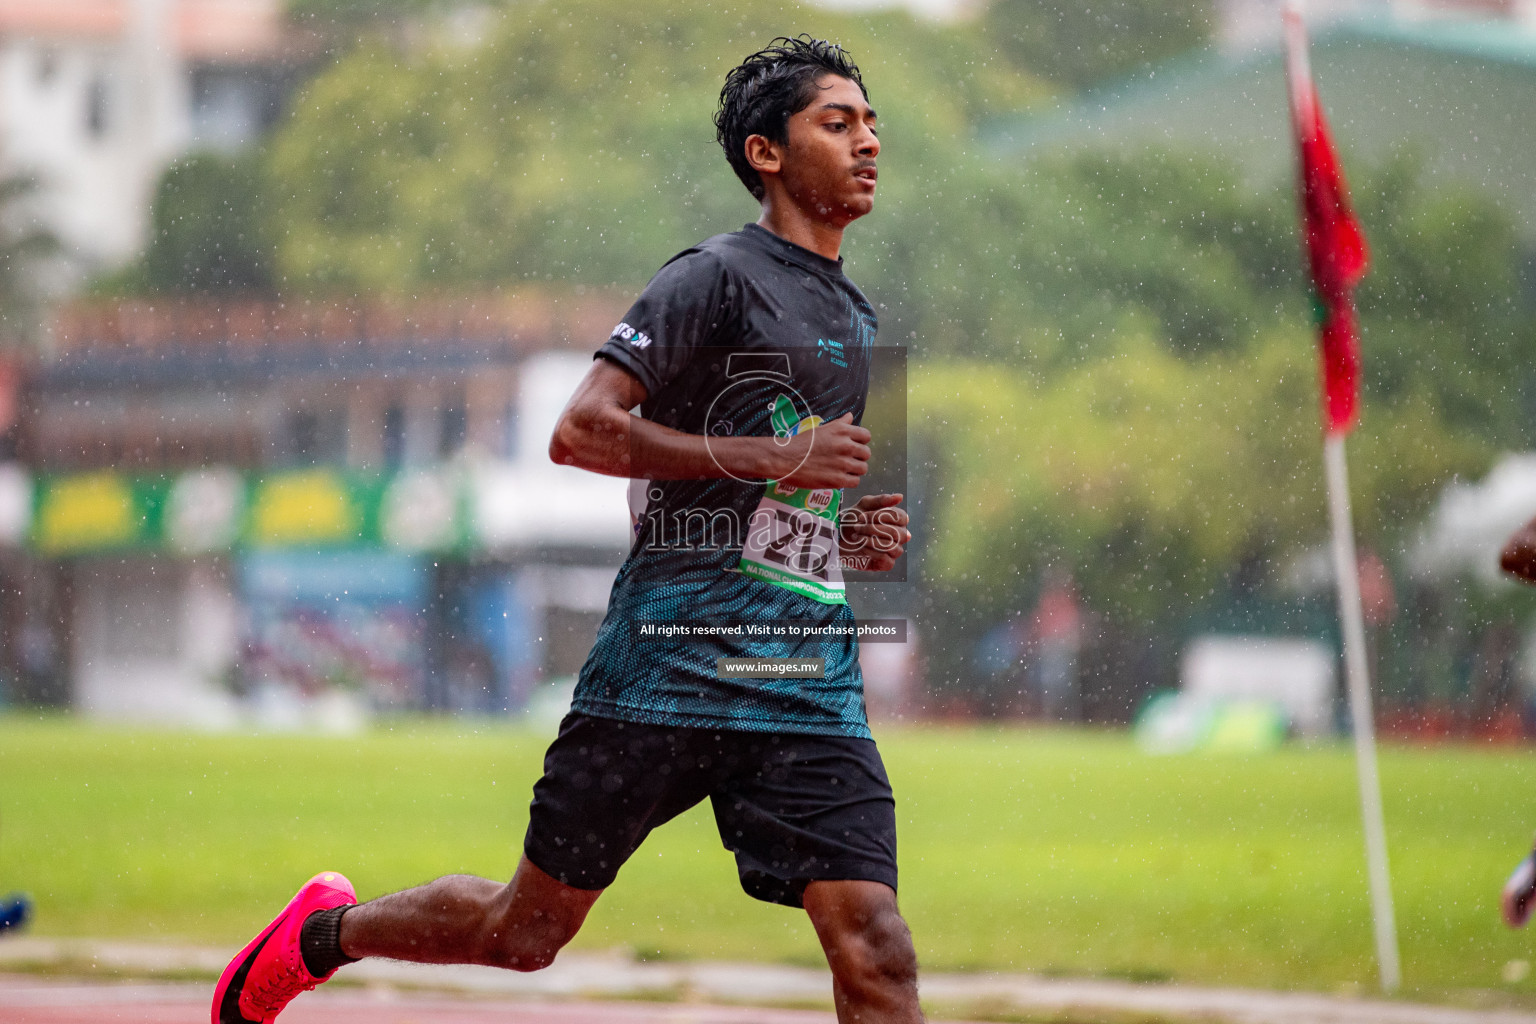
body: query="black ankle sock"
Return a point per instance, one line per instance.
(320, 941)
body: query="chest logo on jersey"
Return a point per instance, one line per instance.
(787, 421)
(638, 339)
(833, 350)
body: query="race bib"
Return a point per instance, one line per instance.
(791, 542)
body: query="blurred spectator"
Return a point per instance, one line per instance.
(1056, 632)
(1519, 892)
(15, 911)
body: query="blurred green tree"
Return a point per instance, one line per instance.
(353, 11)
(208, 231)
(577, 143)
(1155, 429)
(27, 246)
(1083, 44)
(335, 27)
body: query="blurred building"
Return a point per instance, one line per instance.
(226, 506)
(97, 97)
(1451, 84)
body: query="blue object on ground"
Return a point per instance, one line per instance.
(15, 909)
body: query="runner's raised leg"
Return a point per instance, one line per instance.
(457, 919)
(461, 919)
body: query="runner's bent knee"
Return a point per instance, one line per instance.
(531, 920)
(522, 939)
(873, 953)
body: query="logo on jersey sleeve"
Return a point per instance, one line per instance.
(637, 339)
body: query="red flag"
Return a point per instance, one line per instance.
(1336, 251)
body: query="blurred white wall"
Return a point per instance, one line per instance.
(1295, 675)
(96, 100)
(153, 640)
(529, 500)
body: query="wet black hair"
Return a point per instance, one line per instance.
(764, 91)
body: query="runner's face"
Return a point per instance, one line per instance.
(828, 165)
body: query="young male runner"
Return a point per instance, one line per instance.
(748, 356)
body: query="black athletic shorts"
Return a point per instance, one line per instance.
(792, 808)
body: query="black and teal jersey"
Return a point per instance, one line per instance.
(745, 334)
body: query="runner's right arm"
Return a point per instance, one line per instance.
(596, 432)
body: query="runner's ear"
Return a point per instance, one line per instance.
(762, 154)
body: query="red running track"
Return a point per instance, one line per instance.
(25, 1000)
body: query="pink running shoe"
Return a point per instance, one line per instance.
(266, 975)
(1519, 893)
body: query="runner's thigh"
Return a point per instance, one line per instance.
(606, 785)
(797, 809)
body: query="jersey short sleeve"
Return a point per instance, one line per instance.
(688, 304)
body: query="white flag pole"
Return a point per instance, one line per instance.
(1347, 572)
(1357, 678)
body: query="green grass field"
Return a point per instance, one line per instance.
(1049, 851)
